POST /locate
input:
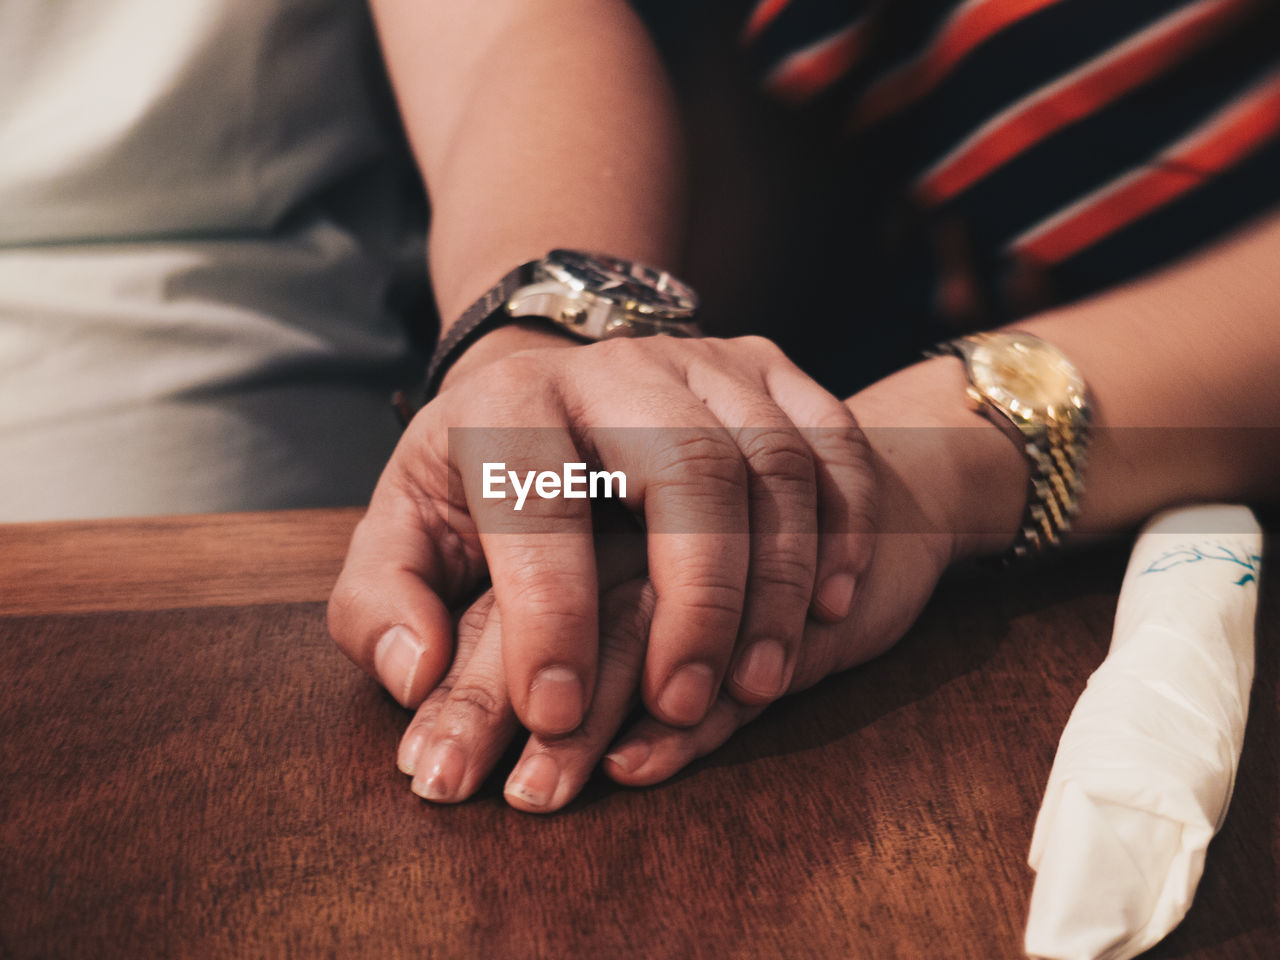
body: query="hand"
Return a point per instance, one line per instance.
(465, 725)
(752, 528)
(903, 573)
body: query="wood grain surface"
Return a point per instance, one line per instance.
(189, 768)
(158, 562)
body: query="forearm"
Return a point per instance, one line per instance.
(1194, 353)
(1191, 354)
(536, 125)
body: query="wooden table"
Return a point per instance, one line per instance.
(189, 768)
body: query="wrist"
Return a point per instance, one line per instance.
(585, 296)
(962, 480)
(503, 342)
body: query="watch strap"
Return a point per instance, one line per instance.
(1056, 452)
(1057, 462)
(485, 315)
(513, 300)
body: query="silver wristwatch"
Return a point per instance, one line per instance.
(591, 296)
(1036, 396)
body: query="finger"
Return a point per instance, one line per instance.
(469, 629)
(466, 723)
(846, 486)
(388, 611)
(620, 555)
(538, 546)
(653, 751)
(552, 771)
(783, 532)
(689, 478)
(696, 511)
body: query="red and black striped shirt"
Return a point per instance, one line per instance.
(1052, 147)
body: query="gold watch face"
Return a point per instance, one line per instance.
(1026, 376)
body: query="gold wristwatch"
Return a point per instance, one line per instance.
(1031, 391)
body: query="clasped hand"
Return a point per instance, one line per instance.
(758, 498)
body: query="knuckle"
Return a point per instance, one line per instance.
(834, 416)
(841, 442)
(620, 649)
(474, 618)
(761, 346)
(539, 597)
(538, 514)
(468, 703)
(561, 625)
(789, 571)
(704, 571)
(701, 458)
(426, 716)
(713, 601)
(536, 589)
(778, 452)
(558, 510)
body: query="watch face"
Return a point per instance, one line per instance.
(1027, 376)
(636, 287)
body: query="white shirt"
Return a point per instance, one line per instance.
(210, 235)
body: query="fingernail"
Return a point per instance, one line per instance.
(835, 597)
(441, 773)
(630, 757)
(410, 747)
(535, 780)
(688, 694)
(555, 701)
(759, 672)
(396, 660)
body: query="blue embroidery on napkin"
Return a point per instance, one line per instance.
(1180, 556)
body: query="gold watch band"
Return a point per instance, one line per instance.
(1054, 488)
(1034, 395)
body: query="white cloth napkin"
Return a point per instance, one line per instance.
(1147, 761)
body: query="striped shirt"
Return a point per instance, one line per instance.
(1047, 149)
